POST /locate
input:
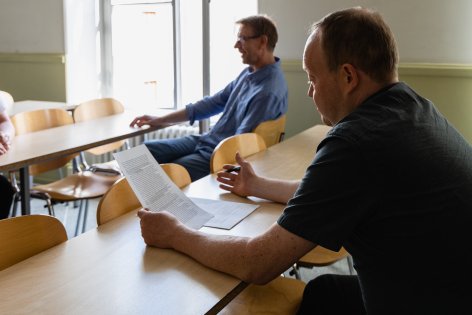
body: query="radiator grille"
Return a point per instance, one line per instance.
(166, 133)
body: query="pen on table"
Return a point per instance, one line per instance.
(233, 169)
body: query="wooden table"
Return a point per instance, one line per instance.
(51, 143)
(109, 270)
(286, 160)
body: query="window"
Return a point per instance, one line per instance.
(158, 50)
(143, 75)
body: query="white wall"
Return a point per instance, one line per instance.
(431, 31)
(31, 26)
(426, 30)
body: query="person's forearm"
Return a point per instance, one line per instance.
(175, 117)
(274, 189)
(249, 259)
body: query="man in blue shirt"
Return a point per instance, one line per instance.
(258, 94)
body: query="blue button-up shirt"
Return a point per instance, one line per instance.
(253, 97)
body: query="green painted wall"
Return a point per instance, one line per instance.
(33, 76)
(42, 77)
(449, 87)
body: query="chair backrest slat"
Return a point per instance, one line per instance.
(246, 144)
(31, 121)
(273, 131)
(121, 199)
(25, 236)
(99, 108)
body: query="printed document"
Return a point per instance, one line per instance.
(226, 213)
(157, 192)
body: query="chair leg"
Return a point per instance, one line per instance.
(16, 196)
(350, 265)
(84, 223)
(50, 207)
(45, 196)
(295, 271)
(79, 215)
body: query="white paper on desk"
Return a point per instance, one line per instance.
(154, 188)
(226, 213)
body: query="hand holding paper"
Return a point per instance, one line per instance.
(157, 192)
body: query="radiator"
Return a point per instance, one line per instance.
(176, 131)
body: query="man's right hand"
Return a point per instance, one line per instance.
(146, 120)
(239, 182)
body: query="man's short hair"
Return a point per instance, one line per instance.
(359, 37)
(262, 25)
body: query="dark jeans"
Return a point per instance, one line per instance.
(6, 193)
(332, 294)
(181, 151)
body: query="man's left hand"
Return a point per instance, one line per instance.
(159, 228)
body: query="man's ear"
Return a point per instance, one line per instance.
(264, 40)
(349, 77)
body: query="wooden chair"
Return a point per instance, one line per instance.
(25, 236)
(245, 143)
(280, 296)
(320, 257)
(121, 199)
(99, 108)
(79, 186)
(273, 131)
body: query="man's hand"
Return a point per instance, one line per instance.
(4, 143)
(239, 182)
(159, 228)
(146, 120)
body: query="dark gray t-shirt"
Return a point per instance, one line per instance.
(392, 183)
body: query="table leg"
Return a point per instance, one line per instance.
(24, 191)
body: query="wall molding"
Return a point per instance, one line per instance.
(32, 58)
(33, 76)
(448, 86)
(423, 69)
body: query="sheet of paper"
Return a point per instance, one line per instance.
(154, 188)
(226, 213)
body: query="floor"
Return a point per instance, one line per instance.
(68, 215)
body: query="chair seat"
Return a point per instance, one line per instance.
(83, 185)
(321, 256)
(280, 296)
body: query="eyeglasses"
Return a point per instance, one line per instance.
(243, 39)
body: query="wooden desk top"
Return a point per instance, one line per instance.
(110, 270)
(286, 160)
(50, 143)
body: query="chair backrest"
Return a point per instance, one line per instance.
(177, 173)
(99, 108)
(25, 236)
(272, 131)
(121, 199)
(31, 121)
(244, 143)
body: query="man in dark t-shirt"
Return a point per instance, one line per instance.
(391, 183)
